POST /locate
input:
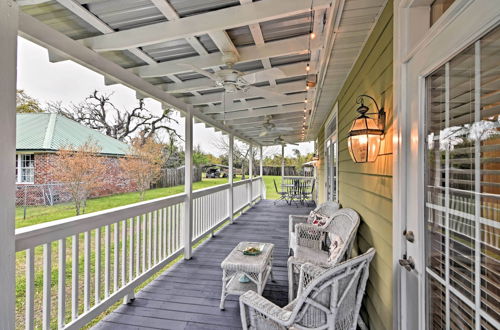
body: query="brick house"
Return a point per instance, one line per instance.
(39, 137)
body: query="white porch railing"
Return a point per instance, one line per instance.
(116, 251)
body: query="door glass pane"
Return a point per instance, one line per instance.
(461, 148)
(462, 188)
(435, 178)
(489, 133)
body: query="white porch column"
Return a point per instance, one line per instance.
(282, 162)
(261, 162)
(250, 175)
(230, 203)
(188, 186)
(8, 65)
(261, 173)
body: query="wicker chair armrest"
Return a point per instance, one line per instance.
(309, 235)
(308, 273)
(256, 302)
(294, 220)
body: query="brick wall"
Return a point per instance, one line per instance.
(114, 181)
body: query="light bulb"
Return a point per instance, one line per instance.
(308, 67)
(307, 87)
(313, 35)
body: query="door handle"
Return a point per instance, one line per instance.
(408, 234)
(407, 263)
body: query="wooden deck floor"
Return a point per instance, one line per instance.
(187, 295)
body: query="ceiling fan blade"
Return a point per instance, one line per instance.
(284, 129)
(201, 71)
(263, 133)
(261, 92)
(263, 75)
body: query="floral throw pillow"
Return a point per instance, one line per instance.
(317, 219)
(336, 245)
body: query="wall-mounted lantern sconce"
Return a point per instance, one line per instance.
(366, 132)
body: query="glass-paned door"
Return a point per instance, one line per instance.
(462, 189)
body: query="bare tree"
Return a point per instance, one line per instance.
(26, 103)
(99, 113)
(82, 170)
(143, 164)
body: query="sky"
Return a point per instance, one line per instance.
(70, 82)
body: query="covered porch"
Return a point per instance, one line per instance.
(187, 296)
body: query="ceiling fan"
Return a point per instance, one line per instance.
(280, 140)
(270, 128)
(233, 80)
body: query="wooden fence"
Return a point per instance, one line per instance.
(175, 177)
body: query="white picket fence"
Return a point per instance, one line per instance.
(118, 250)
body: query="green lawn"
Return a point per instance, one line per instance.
(40, 214)
(270, 190)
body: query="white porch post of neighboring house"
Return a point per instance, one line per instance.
(250, 175)
(230, 199)
(187, 232)
(8, 65)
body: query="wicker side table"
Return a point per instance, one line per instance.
(257, 269)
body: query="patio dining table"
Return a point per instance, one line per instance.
(298, 188)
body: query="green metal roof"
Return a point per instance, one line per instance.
(51, 132)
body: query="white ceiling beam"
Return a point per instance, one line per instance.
(76, 8)
(238, 106)
(258, 38)
(295, 86)
(289, 70)
(220, 38)
(218, 20)
(260, 112)
(296, 45)
(56, 42)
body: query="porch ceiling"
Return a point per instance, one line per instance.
(153, 39)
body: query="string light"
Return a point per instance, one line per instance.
(312, 36)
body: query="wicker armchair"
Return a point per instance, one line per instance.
(328, 299)
(309, 240)
(327, 209)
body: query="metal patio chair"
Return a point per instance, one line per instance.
(283, 194)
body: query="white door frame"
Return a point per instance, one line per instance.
(326, 146)
(422, 49)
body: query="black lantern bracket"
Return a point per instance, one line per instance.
(363, 110)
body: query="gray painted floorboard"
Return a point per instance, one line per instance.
(187, 295)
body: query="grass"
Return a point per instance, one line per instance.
(41, 214)
(270, 190)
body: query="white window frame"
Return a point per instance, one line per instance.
(19, 168)
(332, 137)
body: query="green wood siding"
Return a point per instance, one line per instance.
(367, 188)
